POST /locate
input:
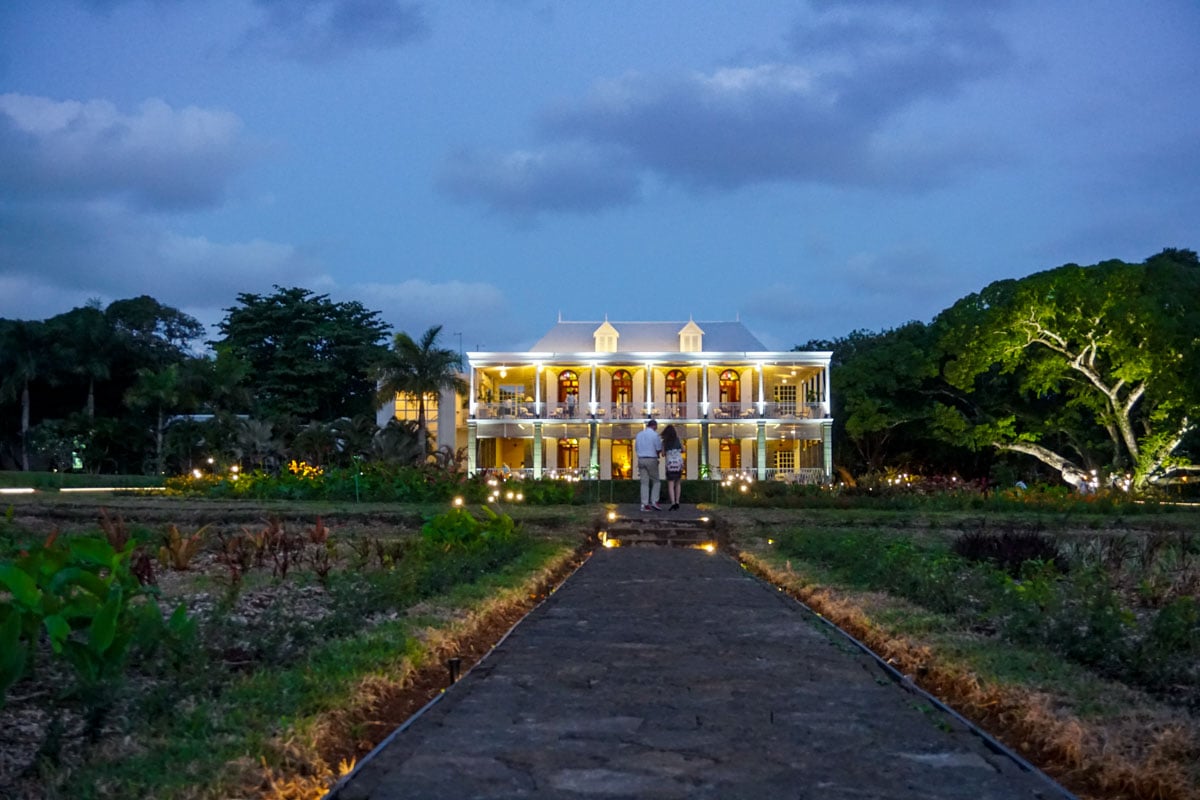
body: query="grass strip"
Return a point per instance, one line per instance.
(1097, 737)
(261, 735)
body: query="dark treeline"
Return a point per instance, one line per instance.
(1088, 375)
(131, 387)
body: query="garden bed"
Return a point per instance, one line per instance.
(306, 644)
(1089, 668)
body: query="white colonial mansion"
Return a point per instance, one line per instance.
(572, 404)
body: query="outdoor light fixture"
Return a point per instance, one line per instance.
(612, 515)
(504, 372)
(458, 501)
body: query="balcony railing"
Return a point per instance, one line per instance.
(801, 475)
(637, 411)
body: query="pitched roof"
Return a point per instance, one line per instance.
(648, 337)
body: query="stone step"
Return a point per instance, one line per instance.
(629, 526)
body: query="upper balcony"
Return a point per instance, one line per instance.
(620, 412)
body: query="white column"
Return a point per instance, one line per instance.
(471, 402)
(649, 388)
(762, 391)
(827, 400)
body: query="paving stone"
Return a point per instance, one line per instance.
(672, 673)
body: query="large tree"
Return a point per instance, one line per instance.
(25, 356)
(419, 368)
(158, 333)
(308, 356)
(1082, 368)
(884, 391)
(87, 342)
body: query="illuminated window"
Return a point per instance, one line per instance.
(406, 409)
(731, 454)
(729, 395)
(568, 387)
(676, 387)
(568, 454)
(622, 392)
(785, 396)
(622, 458)
(785, 460)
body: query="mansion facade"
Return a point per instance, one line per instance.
(572, 405)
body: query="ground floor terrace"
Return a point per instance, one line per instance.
(789, 450)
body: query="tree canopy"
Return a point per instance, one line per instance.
(308, 357)
(1087, 369)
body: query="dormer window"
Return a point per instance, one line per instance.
(691, 338)
(606, 338)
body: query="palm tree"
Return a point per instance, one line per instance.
(161, 390)
(419, 369)
(26, 356)
(87, 339)
(256, 439)
(397, 443)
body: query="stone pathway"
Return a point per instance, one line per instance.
(659, 672)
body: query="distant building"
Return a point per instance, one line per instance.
(572, 404)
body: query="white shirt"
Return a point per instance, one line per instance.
(647, 444)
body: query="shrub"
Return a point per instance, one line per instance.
(83, 596)
(1009, 550)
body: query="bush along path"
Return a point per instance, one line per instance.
(1081, 653)
(141, 663)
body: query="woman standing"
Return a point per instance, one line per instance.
(674, 452)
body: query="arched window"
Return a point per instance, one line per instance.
(729, 392)
(568, 394)
(676, 394)
(622, 393)
(568, 386)
(676, 387)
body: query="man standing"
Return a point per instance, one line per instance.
(648, 447)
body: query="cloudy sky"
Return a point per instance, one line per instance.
(809, 167)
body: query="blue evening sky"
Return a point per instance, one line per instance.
(809, 167)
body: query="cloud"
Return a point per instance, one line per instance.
(830, 111)
(479, 311)
(317, 31)
(65, 252)
(524, 182)
(157, 158)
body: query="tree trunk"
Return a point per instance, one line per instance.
(1070, 473)
(158, 442)
(91, 399)
(422, 434)
(25, 427)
